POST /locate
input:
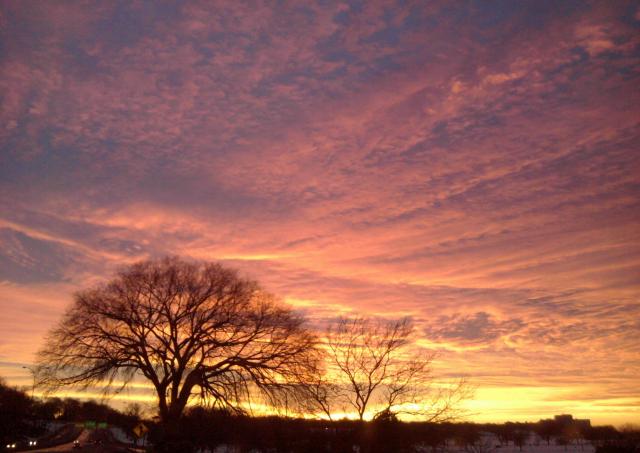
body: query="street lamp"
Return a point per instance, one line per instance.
(33, 379)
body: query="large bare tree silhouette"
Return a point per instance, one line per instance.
(188, 328)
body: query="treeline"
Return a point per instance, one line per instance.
(204, 429)
(21, 415)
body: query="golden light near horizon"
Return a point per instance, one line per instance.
(488, 405)
(471, 166)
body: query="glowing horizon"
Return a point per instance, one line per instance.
(489, 405)
(472, 166)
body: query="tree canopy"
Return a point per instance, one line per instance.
(188, 328)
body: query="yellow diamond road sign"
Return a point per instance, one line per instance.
(140, 429)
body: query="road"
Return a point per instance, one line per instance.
(98, 441)
(83, 438)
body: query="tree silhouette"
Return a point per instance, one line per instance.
(375, 368)
(547, 429)
(15, 411)
(189, 329)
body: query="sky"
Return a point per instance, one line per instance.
(474, 165)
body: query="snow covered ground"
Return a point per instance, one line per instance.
(585, 448)
(120, 435)
(542, 448)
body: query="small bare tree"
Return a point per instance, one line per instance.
(375, 368)
(189, 329)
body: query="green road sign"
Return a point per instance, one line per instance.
(90, 424)
(103, 425)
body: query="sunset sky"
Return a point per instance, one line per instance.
(474, 165)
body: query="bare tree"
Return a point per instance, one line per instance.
(189, 329)
(376, 369)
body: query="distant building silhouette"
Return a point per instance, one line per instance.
(567, 420)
